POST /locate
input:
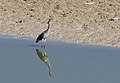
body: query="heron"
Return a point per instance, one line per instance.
(44, 35)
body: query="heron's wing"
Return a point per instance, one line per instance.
(40, 37)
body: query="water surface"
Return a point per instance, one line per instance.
(71, 63)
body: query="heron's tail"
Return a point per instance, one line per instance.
(37, 41)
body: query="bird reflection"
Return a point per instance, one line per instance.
(43, 56)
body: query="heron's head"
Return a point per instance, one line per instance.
(50, 18)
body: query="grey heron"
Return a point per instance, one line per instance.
(44, 35)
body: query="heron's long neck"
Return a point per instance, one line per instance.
(48, 29)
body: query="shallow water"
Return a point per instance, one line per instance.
(70, 63)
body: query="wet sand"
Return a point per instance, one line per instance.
(75, 21)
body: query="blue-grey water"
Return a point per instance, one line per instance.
(71, 63)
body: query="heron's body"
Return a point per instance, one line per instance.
(43, 36)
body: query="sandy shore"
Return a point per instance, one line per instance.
(77, 21)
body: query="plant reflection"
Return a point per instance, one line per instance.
(43, 56)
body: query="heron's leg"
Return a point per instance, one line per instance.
(44, 43)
